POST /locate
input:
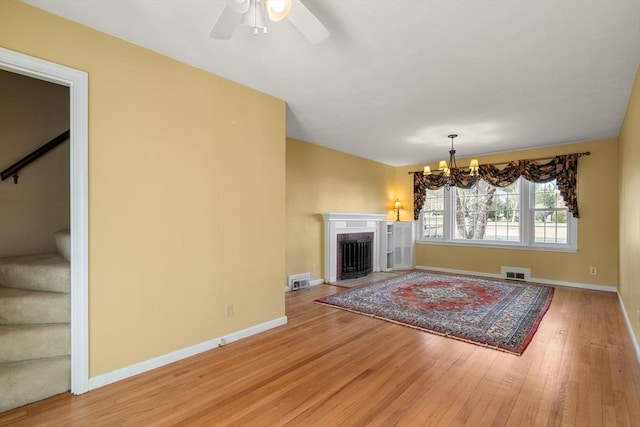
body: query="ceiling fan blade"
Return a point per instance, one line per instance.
(227, 21)
(307, 23)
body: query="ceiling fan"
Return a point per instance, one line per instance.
(254, 13)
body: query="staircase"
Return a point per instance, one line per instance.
(35, 337)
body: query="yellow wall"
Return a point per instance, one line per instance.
(179, 221)
(32, 112)
(323, 180)
(597, 225)
(629, 183)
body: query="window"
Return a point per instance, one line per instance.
(521, 215)
(550, 214)
(433, 214)
(485, 212)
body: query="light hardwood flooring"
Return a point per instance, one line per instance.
(366, 280)
(329, 367)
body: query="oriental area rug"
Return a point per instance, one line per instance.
(499, 314)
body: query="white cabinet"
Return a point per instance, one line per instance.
(386, 246)
(396, 245)
(403, 241)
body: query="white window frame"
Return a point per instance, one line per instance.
(527, 225)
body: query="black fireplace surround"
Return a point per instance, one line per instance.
(354, 255)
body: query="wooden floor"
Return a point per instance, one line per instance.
(329, 367)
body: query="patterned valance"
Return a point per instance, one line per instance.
(564, 169)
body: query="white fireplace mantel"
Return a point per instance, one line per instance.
(343, 223)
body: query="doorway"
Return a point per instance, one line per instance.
(77, 82)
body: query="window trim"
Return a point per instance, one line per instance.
(527, 232)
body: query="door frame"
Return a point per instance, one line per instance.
(77, 82)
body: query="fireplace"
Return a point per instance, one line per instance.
(339, 223)
(354, 255)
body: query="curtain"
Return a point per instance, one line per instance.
(564, 169)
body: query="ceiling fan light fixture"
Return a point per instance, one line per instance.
(278, 9)
(254, 17)
(255, 13)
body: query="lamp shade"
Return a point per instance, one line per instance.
(473, 166)
(442, 165)
(427, 171)
(397, 204)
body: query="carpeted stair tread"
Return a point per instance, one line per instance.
(18, 306)
(38, 341)
(33, 380)
(45, 272)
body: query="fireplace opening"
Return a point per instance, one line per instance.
(354, 255)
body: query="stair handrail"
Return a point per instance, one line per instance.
(33, 156)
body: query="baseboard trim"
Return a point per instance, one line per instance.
(589, 286)
(156, 362)
(627, 320)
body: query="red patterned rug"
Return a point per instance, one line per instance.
(499, 314)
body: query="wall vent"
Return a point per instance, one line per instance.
(298, 281)
(516, 273)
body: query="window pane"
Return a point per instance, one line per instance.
(433, 214)
(550, 214)
(485, 212)
(433, 226)
(434, 200)
(551, 227)
(547, 196)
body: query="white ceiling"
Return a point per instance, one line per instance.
(397, 76)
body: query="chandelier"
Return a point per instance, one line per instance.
(450, 170)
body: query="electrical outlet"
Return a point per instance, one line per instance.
(638, 317)
(593, 271)
(228, 310)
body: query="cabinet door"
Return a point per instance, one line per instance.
(386, 246)
(403, 245)
(388, 237)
